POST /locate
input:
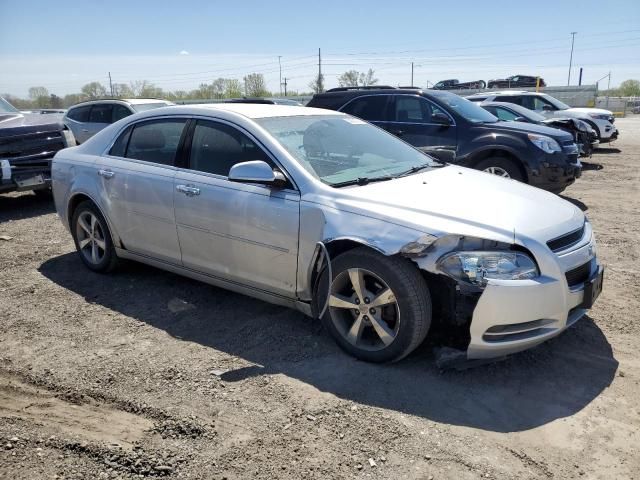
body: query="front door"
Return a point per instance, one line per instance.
(244, 233)
(137, 187)
(412, 119)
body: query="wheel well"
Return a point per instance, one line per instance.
(499, 153)
(73, 204)
(593, 125)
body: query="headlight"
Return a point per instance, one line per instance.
(600, 116)
(478, 267)
(546, 144)
(69, 139)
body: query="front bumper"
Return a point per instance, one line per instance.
(23, 177)
(555, 176)
(512, 316)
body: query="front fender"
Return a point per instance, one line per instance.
(320, 223)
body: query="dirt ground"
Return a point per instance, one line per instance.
(144, 373)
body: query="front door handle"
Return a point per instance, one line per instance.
(188, 190)
(106, 173)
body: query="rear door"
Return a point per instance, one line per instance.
(412, 119)
(137, 187)
(99, 118)
(76, 119)
(244, 233)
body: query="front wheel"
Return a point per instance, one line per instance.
(379, 307)
(503, 167)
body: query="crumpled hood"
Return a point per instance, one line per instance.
(458, 200)
(21, 124)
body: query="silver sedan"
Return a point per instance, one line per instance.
(325, 213)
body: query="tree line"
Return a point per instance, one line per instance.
(252, 85)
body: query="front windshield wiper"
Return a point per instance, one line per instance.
(362, 181)
(417, 168)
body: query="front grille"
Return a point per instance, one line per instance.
(566, 241)
(578, 275)
(31, 146)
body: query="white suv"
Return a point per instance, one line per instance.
(88, 118)
(600, 120)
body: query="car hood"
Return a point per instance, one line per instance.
(458, 200)
(530, 128)
(599, 111)
(20, 124)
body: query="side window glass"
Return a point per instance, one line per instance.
(101, 113)
(217, 147)
(156, 141)
(540, 103)
(371, 108)
(411, 109)
(120, 146)
(527, 102)
(120, 112)
(79, 114)
(505, 115)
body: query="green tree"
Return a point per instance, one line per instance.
(94, 90)
(317, 84)
(232, 88)
(353, 78)
(55, 101)
(629, 88)
(122, 90)
(254, 85)
(39, 97)
(72, 99)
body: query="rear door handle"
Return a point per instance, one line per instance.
(106, 173)
(188, 190)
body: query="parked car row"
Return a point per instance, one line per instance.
(515, 81)
(326, 213)
(455, 130)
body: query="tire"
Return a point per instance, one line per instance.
(95, 249)
(44, 193)
(482, 84)
(504, 167)
(380, 332)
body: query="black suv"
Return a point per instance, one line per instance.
(453, 129)
(28, 142)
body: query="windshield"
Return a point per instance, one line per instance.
(556, 103)
(143, 107)
(465, 108)
(6, 107)
(343, 149)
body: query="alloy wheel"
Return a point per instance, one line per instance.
(501, 172)
(91, 238)
(364, 309)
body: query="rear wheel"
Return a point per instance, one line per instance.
(92, 238)
(501, 166)
(379, 307)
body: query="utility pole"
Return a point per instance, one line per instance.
(110, 84)
(573, 37)
(319, 72)
(580, 78)
(608, 88)
(280, 67)
(412, 74)
(285, 86)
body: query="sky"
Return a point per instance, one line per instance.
(179, 44)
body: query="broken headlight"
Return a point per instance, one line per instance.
(478, 267)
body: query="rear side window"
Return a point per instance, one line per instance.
(510, 99)
(372, 108)
(79, 114)
(120, 112)
(101, 113)
(119, 148)
(156, 141)
(217, 147)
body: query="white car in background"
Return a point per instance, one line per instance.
(600, 120)
(328, 214)
(88, 118)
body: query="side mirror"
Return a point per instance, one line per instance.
(440, 117)
(443, 154)
(520, 119)
(256, 171)
(547, 108)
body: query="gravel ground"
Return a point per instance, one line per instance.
(146, 374)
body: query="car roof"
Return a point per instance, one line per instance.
(130, 101)
(249, 110)
(505, 92)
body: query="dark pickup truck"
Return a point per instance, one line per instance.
(454, 84)
(28, 142)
